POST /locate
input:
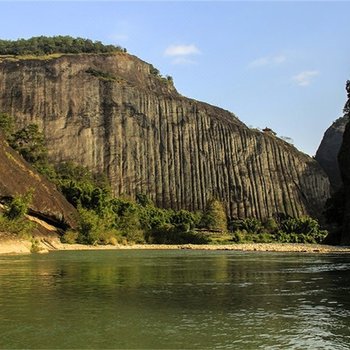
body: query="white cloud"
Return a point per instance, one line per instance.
(182, 54)
(268, 61)
(181, 50)
(304, 78)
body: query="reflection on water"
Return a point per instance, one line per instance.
(175, 299)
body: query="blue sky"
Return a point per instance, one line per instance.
(277, 64)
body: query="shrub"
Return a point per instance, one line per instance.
(152, 218)
(35, 247)
(169, 235)
(70, 237)
(183, 220)
(18, 206)
(7, 125)
(20, 227)
(135, 236)
(154, 71)
(270, 225)
(143, 200)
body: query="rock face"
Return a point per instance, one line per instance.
(17, 177)
(111, 114)
(344, 165)
(327, 153)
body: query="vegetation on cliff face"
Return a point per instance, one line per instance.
(42, 45)
(12, 219)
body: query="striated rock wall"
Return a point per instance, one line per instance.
(327, 152)
(108, 112)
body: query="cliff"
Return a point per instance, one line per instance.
(344, 165)
(113, 114)
(327, 152)
(17, 177)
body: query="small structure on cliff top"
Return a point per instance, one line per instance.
(269, 131)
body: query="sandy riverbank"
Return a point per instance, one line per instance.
(16, 246)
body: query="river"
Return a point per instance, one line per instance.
(175, 299)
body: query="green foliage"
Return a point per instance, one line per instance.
(183, 221)
(214, 217)
(250, 225)
(30, 143)
(127, 216)
(170, 236)
(154, 71)
(270, 225)
(70, 237)
(20, 227)
(81, 187)
(170, 79)
(95, 229)
(18, 206)
(43, 45)
(242, 236)
(101, 74)
(75, 172)
(143, 200)
(35, 247)
(154, 219)
(7, 125)
(301, 225)
(288, 230)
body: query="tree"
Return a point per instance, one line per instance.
(6, 125)
(42, 45)
(214, 217)
(29, 142)
(183, 220)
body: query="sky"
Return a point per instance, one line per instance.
(278, 64)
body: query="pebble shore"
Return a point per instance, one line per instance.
(21, 246)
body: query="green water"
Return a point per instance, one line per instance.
(175, 300)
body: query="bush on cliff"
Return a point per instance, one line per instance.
(43, 45)
(13, 219)
(30, 143)
(7, 125)
(17, 208)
